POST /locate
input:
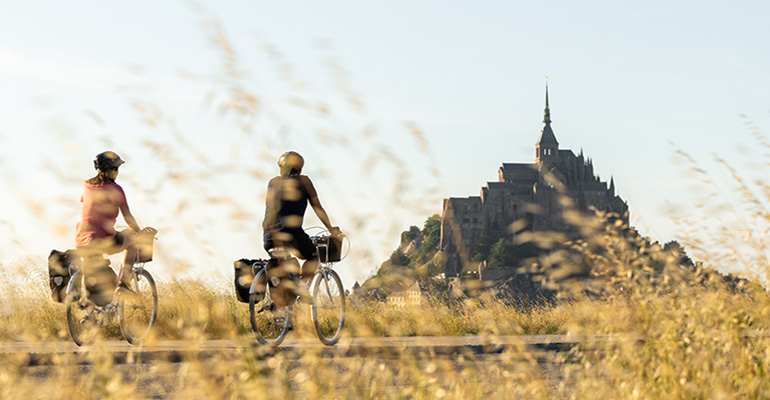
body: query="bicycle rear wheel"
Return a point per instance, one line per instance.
(328, 308)
(137, 311)
(269, 322)
(83, 319)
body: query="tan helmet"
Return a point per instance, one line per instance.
(291, 163)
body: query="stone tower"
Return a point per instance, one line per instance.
(524, 196)
(547, 148)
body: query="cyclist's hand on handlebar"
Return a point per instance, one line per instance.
(149, 230)
(335, 231)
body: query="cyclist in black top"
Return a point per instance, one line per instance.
(287, 199)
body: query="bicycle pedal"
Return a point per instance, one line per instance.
(281, 321)
(269, 307)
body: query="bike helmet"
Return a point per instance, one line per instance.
(107, 160)
(291, 163)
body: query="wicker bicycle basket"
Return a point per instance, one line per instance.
(329, 248)
(144, 245)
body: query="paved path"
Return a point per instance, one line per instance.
(178, 350)
(374, 342)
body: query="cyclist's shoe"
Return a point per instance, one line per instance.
(303, 292)
(284, 317)
(125, 290)
(88, 319)
(280, 321)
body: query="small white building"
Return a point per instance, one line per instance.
(410, 297)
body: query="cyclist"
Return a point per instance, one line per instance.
(102, 200)
(287, 198)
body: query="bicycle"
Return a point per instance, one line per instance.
(272, 323)
(136, 311)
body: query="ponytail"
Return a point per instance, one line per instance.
(101, 178)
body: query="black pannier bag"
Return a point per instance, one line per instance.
(244, 276)
(59, 273)
(101, 281)
(330, 246)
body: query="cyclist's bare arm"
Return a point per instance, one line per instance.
(129, 218)
(315, 202)
(321, 213)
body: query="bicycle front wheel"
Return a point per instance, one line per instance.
(328, 308)
(83, 319)
(138, 310)
(269, 322)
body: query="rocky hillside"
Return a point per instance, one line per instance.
(542, 266)
(416, 258)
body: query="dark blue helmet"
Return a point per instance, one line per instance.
(107, 160)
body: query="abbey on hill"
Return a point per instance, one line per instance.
(525, 193)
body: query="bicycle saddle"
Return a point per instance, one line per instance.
(280, 253)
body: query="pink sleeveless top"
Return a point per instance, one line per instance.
(99, 212)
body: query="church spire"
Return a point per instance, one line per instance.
(547, 147)
(546, 135)
(547, 113)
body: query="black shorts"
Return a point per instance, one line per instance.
(300, 241)
(119, 239)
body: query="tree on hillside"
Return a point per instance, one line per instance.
(412, 234)
(398, 258)
(412, 262)
(678, 249)
(501, 253)
(431, 233)
(480, 249)
(432, 230)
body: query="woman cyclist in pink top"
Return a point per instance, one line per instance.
(102, 200)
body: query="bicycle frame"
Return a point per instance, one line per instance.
(326, 295)
(130, 306)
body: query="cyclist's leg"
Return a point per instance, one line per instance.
(124, 241)
(308, 269)
(83, 253)
(99, 279)
(89, 255)
(308, 253)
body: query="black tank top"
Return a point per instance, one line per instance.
(295, 193)
(293, 203)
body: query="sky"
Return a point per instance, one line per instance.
(395, 106)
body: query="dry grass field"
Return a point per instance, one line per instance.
(670, 331)
(677, 332)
